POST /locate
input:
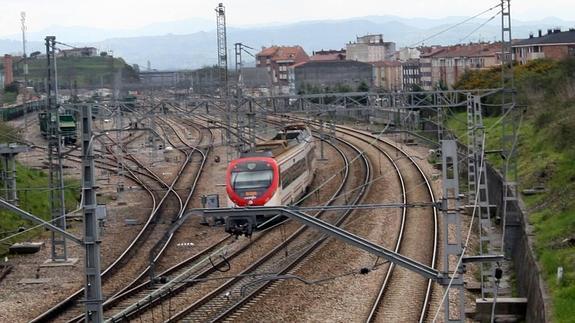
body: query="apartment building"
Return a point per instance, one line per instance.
(555, 44)
(388, 75)
(411, 74)
(370, 48)
(330, 74)
(277, 60)
(449, 63)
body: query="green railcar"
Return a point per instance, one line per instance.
(67, 124)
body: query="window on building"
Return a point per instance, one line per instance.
(571, 51)
(282, 68)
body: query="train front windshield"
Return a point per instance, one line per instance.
(252, 179)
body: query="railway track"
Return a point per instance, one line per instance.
(156, 225)
(417, 239)
(191, 272)
(137, 300)
(244, 285)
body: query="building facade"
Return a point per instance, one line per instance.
(8, 70)
(556, 44)
(255, 81)
(80, 52)
(333, 75)
(411, 74)
(387, 75)
(277, 60)
(407, 53)
(328, 55)
(370, 48)
(448, 64)
(425, 66)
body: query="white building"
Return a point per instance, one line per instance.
(370, 48)
(407, 53)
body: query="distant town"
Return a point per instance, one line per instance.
(367, 63)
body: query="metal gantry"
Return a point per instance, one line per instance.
(452, 243)
(55, 176)
(510, 123)
(478, 190)
(8, 154)
(93, 284)
(222, 45)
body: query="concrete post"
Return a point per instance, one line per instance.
(93, 283)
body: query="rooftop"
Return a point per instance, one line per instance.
(465, 50)
(553, 36)
(282, 53)
(311, 63)
(328, 55)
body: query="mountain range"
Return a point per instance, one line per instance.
(191, 43)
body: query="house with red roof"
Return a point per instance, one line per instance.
(277, 60)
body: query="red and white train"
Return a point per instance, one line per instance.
(279, 172)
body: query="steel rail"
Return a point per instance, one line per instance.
(216, 295)
(194, 277)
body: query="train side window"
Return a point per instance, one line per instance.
(292, 173)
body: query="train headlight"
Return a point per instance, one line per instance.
(250, 202)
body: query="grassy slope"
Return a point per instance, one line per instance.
(34, 200)
(546, 157)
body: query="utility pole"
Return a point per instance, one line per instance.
(93, 284)
(56, 181)
(223, 71)
(222, 47)
(509, 124)
(478, 190)
(452, 246)
(23, 20)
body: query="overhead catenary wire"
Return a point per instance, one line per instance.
(40, 225)
(454, 26)
(480, 26)
(362, 152)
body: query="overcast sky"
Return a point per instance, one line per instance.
(122, 14)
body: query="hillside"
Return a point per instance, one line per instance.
(86, 71)
(546, 158)
(192, 43)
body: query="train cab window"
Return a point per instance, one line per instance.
(286, 136)
(252, 179)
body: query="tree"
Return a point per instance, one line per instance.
(103, 54)
(12, 87)
(362, 87)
